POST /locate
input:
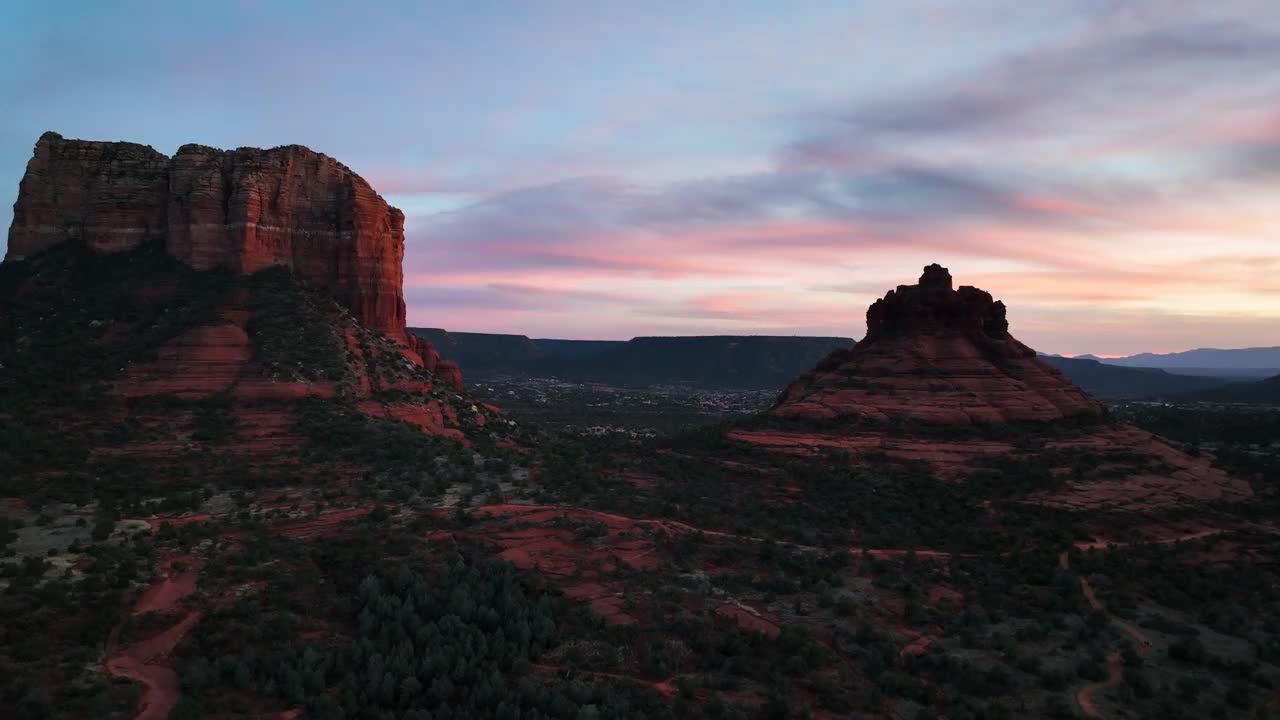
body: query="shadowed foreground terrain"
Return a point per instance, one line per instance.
(227, 497)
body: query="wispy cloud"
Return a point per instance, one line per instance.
(594, 169)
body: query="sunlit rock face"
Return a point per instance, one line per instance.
(242, 210)
(936, 354)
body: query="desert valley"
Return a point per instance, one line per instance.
(237, 485)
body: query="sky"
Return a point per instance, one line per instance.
(1109, 169)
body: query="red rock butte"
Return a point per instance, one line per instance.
(936, 354)
(242, 210)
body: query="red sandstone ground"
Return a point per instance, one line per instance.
(182, 572)
(1187, 481)
(303, 525)
(216, 359)
(147, 661)
(593, 569)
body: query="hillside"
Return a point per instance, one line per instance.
(135, 374)
(213, 512)
(1115, 382)
(219, 310)
(938, 500)
(744, 362)
(234, 487)
(1264, 392)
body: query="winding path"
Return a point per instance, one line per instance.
(666, 687)
(147, 661)
(1115, 666)
(1115, 673)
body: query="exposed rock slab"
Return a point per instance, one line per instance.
(1146, 473)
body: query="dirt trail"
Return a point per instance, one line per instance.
(1115, 667)
(676, 526)
(1115, 672)
(665, 687)
(918, 645)
(147, 661)
(1106, 544)
(1143, 642)
(164, 595)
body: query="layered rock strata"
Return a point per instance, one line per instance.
(242, 210)
(936, 354)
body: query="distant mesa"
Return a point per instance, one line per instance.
(936, 354)
(722, 362)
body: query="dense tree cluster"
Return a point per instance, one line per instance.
(704, 478)
(292, 331)
(456, 644)
(52, 631)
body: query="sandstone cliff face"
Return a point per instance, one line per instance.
(936, 354)
(243, 210)
(109, 195)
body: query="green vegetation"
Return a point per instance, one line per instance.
(71, 321)
(449, 645)
(214, 419)
(1243, 441)
(292, 329)
(52, 632)
(337, 432)
(792, 587)
(409, 637)
(707, 480)
(74, 318)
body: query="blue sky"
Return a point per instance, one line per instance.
(580, 169)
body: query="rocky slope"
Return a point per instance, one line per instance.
(218, 313)
(939, 379)
(242, 210)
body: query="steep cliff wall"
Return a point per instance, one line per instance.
(243, 210)
(111, 195)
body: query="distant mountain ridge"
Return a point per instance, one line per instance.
(1117, 382)
(1202, 359)
(1264, 392)
(764, 362)
(712, 361)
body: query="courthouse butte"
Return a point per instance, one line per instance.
(205, 214)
